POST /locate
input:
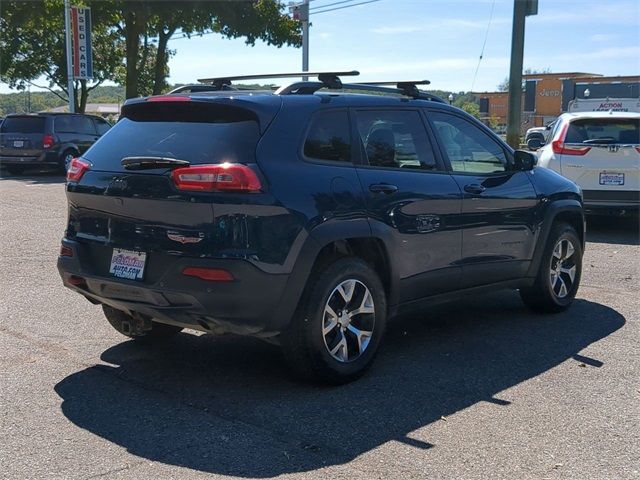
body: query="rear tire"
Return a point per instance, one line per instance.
(559, 272)
(339, 324)
(130, 326)
(65, 160)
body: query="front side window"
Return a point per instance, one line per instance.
(329, 137)
(470, 150)
(395, 139)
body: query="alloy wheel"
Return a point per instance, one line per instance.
(348, 320)
(563, 268)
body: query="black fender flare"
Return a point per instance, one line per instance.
(551, 213)
(318, 238)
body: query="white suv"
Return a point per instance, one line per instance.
(599, 151)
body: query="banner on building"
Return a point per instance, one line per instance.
(82, 55)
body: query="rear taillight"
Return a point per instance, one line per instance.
(638, 149)
(559, 147)
(231, 177)
(76, 170)
(66, 251)
(48, 141)
(210, 274)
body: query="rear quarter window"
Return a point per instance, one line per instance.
(23, 125)
(329, 137)
(74, 124)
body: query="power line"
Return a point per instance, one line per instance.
(486, 35)
(315, 12)
(331, 4)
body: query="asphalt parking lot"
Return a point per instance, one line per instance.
(479, 389)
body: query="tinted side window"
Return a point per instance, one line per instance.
(396, 139)
(470, 150)
(101, 126)
(329, 137)
(74, 124)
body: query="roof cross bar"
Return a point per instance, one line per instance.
(328, 79)
(308, 88)
(409, 87)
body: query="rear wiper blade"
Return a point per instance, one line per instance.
(144, 163)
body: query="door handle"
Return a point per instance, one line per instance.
(383, 188)
(474, 188)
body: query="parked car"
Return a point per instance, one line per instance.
(600, 151)
(47, 139)
(535, 137)
(309, 216)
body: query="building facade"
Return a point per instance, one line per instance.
(547, 95)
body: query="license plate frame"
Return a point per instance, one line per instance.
(128, 264)
(611, 179)
(18, 144)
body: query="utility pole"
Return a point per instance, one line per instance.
(304, 17)
(67, 33)
(521, 9)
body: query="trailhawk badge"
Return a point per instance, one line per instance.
(185, 239)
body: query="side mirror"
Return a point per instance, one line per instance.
(524, 161)
(534, 143)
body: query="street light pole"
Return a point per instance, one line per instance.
(521, 8)
(304, 17)
(67, 31)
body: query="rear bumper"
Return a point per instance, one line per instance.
(245, 306)
(45, 158)
(611, 202)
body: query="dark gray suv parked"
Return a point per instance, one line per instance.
(47, 139)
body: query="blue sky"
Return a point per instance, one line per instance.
(439, 40)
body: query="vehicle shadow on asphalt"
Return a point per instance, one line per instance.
(613, 230)
(34, 177)
(226, 405)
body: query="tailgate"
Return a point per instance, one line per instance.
(143, 210)
(22, 136)
(604, 167)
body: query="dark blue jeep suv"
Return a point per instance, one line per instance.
(309, 216)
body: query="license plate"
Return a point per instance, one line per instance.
(18, 143)
(127, 264)
(607, 178)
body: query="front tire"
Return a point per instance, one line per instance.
(132, 327)
(559, 273)
(340, 323)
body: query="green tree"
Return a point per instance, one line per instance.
(471, 108)
(32, 46)
(147, 27)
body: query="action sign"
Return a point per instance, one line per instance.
(81, 29)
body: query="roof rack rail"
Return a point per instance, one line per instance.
(407, 88)
(328, 79)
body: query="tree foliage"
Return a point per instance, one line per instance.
(32, 46)
(130, 39)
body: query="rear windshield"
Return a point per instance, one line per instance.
(217, 137)
(604, 130)
(23, 125)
